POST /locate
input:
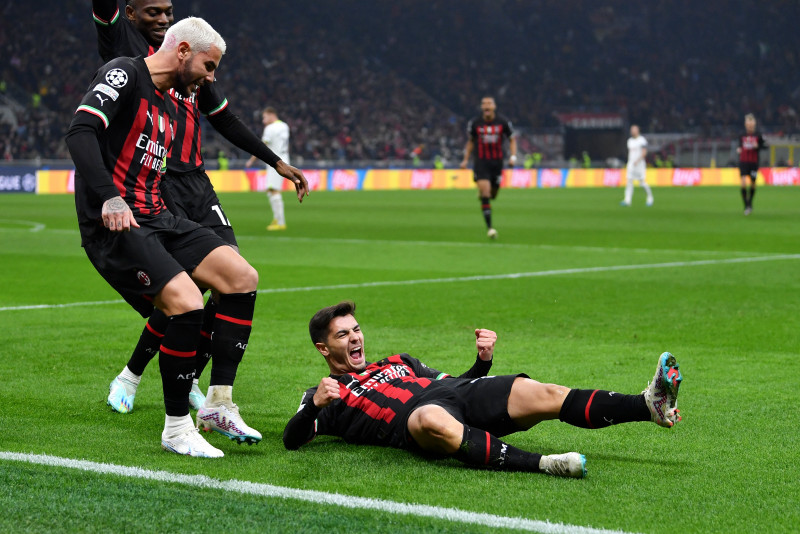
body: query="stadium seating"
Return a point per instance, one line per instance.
(388, 81)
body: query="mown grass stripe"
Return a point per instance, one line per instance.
(480, 277)
(319, 497)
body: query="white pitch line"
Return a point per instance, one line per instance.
(56, 306)
(480, 277)
(462, 244)
(533, 274)
(319, 497)
(34, 226)
(412, 243)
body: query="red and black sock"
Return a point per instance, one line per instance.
(149, 341)
(487, 211)
(479, 448)
(177, 360)
(595, 408)
(205, 345)
(232, 325)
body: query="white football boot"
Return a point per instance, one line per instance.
(569, 464)
(220, 414)
(187, 440)
(196, 397)
(121, 394)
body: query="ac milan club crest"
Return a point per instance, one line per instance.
(143, 278)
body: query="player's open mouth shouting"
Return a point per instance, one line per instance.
(357, 355)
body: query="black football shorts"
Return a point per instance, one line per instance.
(478, 402)
(491, 170)
(139, 263)
(749, 169)
(191, 195)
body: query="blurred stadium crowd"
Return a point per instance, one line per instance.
(372, 80)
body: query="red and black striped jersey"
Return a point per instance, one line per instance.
(185, 154)
(133, 121)
(488, 137)
(750, 144)
(116, 36)
(373, 404)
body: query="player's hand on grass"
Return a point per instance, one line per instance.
(327, 392)
(485, 340)
(295, 175)
(117, 216)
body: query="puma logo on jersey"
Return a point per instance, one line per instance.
(101, 99)
(106, 90)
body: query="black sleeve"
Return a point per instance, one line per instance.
(509, 129)
(85, 151)
(106, 17)
(479, 368)
(302, 427)
(471, 130)
(420, 369)
(105, 12)
(110, 92)
(212, 103)
(761, 142)
(234, 130)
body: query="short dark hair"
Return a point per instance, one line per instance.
(318, 325)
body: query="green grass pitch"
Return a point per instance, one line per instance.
(719, 290)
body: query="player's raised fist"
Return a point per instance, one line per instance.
(484, 341)
(327, 392)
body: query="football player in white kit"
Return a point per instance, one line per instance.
(276, 137)
(637, 167)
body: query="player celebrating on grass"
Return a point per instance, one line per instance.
(486, 135)
(187, 190)
(750, 143)
(637, 166)
(119, 139)
(400, 402)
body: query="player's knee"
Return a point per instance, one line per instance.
(529, 396)
(178, 297)
(554, 394)
(436, 425)
(245, 279)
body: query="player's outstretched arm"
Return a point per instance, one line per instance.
(234, 130)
